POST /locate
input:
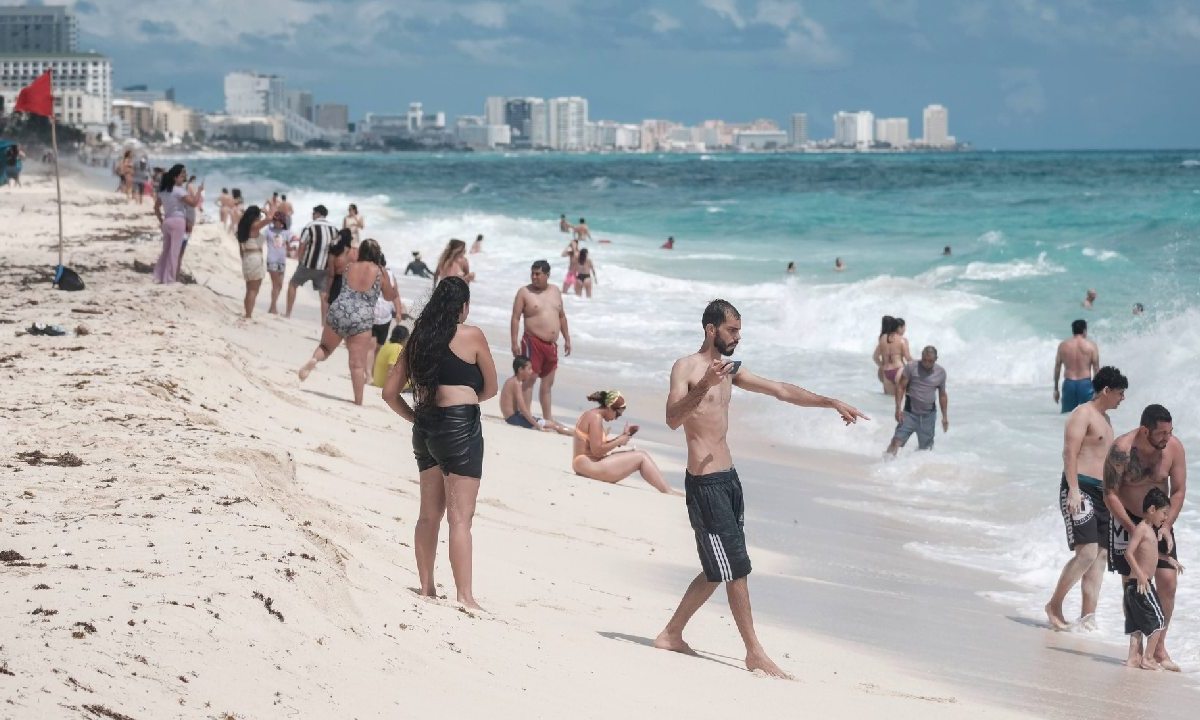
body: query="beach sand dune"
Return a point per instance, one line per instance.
(190, 532)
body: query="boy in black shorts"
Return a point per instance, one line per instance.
(1143, 611)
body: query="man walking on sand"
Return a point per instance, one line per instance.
(1081, 358)
(540, 304)
(315, 240)
(1086, 442)
(701, 385)
(1146, 458)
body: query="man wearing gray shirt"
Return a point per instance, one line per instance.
(915, 411)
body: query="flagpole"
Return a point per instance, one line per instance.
(57, 185)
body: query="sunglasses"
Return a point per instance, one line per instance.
(619, 410)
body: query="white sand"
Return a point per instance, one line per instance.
(213, 484)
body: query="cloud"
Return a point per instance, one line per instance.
(808, 39)
(727, 9)
(485, 14)
(495, 51)
(1023, 94)
(662, 21)
(778, 13)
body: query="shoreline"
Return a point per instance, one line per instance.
(209, 475)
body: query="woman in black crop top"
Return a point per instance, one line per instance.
(452, 371)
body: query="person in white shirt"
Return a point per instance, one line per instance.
(385, 310)
(278, 240)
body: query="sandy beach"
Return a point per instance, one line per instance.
(191, 532)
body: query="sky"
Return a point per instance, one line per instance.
(1015, 74)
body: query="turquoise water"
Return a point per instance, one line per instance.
(1030, 232)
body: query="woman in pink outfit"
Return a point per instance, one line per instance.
(170, 207)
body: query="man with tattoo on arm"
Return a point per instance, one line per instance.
(1145, 458)
(1086, 441)
(701, 386)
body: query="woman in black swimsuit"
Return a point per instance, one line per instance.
(452, 371)
(585, 274)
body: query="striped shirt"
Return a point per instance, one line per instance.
(316, 238)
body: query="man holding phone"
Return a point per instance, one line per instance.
(701, 386)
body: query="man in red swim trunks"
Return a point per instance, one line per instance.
(541, 306)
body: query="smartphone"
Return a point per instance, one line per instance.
(633, 430)
(734, 366)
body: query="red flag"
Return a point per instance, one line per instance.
(37, 98)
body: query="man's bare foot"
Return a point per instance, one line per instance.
(1057, 621)
(1134, 661)
(674, 643)
(306, 369)
(760, 663)
(1168, 664)
(1087, 623)
(1149, 664)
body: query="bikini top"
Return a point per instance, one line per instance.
(453, 370)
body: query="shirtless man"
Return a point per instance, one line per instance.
(1149, 457)
(1081, 357)
(1089, 299)
(541, 306)
(1086, 441)
(563, 225)
(701, 385)
(285, 207)
(581, 231)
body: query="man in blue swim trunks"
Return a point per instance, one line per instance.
(1081, 358)
(1086, 442)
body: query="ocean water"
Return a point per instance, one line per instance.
(1030, 233)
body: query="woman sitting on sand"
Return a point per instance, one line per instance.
(891, 353)
(595, 453)
(250, 245)
(352, 314)
(454, 263)
(452, 371)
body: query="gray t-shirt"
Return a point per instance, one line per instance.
(923, 386)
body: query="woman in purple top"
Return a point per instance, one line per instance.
(170, 207)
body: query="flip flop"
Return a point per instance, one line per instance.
(43, 329)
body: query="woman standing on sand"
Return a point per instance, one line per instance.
(170, 205)
(250, 245)
(453, 262)
(125, 172)
(595, 453)
(352, 314)
(355, 224)
(452, 371)
(278, 240)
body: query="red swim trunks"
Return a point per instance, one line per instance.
(543, 356)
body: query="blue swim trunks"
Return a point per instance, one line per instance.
(1075, 393)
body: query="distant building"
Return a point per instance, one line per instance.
(854, 129)
(250, 93)
(333, 117)
(38, 30)
(299, 102)
(527, 119)
(476, 132)
(760, 139)
(893, 131)
(566, 119)
(132, 119)
(419, 120)
(176, 122)
(82, 85)
(799, 129)
(255, 128)
(495, 111)
(141, 93)
(936, 127)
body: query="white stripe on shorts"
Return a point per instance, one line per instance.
(722, 558)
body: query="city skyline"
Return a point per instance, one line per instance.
(1022, 74)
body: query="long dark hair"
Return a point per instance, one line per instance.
(168, 182)
(344, 241)
(889, 326)
(430, 340)
(251, 216)
(369, 251)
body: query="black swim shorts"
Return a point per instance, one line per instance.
(1119, 542)
(1143, 613)
(714, 503)
(1091, 523)
(452, 440)
(380, 331)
